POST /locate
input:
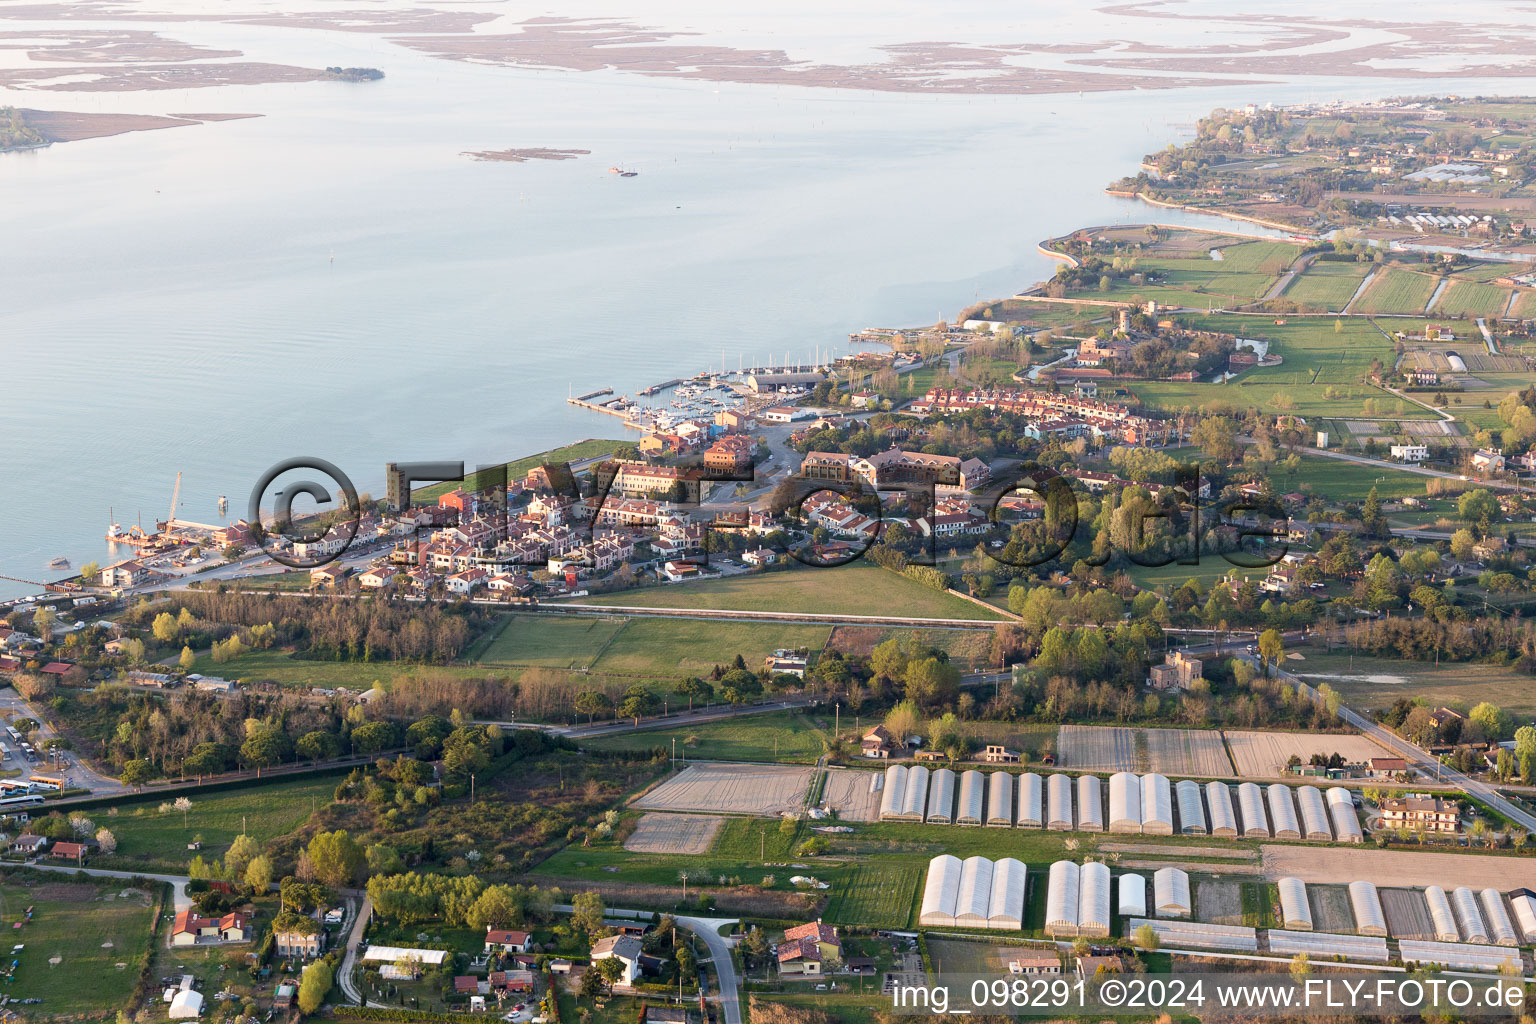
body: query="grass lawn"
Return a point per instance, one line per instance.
(1259, 901)
(688, 647)
(1172, 576)
(551, 642)
(100, 939)
(1367, 682)
(1335, 480)
(478, 480)
(877, 895)
(789, 736)
(152, 840)
(1328, 285)
(858, 588)
(283, 668)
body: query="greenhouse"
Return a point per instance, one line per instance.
(1314, 814)
(1366, 903)
(1223, 820)
(1500, 928)
(1133, 895)
(1229, 938)
(1346, 823)
(1058, 791)
(1282, 812)
(1250, 801)
(915, 800)
(895, 791)
(1295, 911)
(1457, 955)
(1090, 804)
(1124, 802)
(1031, 801)
(1000, 799)
(1093, 900)
(1061, 899)
(1170, 893)
(1441, 915)
(1525, 912)
(1191, 809)
(1464, 902)
(941, 797)
(1156, 805)
(973, 793)
(1326, 946)
(1005, 909)
(941, 891)
(972, 909)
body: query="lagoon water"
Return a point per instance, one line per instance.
(170, 301)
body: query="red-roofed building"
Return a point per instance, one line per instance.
(55, 668)
(506, 940)
(69, 851)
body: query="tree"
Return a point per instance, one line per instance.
(497, 907)
(1217, 436)
(106, 842)
(314, 985)
(1271, 649)
(188, 659)
(1480, 508)
(258, 873)
(264, 747)
(374, 737)
(1495, 723)
(384, 860)
(318, 746)
(183, 805)
(611, 968)
(165, 628)
(592, 703)
(42, 623)
(240, 854)
(1301, 966)
(638, 702)
(693, 688)
(902, 722)
(1146, 938)
(1462, 543)
(136, 772)
(587, 912)
(337, 859)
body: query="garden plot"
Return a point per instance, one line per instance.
(1331, 911)
(732, 789)
(1219, 900)
(674, 833)
(848, 793)
(1262, 755)
(1411, 869)
(1407, 914)
(1179, 752)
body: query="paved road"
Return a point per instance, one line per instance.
(354, 939)
(708, 929)
(78, 773)
(1498, 485)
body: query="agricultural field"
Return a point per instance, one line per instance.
(1369, 683)
(732, 789)
(768, 736)
(551, 642)
(674, 833)
(1407, 914)
(1217, 900)
(85, 944)
(1182, 752)
(850, 795)
(153, 837)
(1245, 272)
(1263, 755)
(1473, 299)
(859, 588)
(1396, 290)
(1336, 480)
(1043, 314)
(1328, 285)
(281, 667)
(1261, 905)
(1331, 909)
(1340, 865)
(877, 895)
(1031, 739)
(684, 647)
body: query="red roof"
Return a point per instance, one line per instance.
(75, 850)
(56, 668)
(505, 936)
(466, 983)
(813, 930)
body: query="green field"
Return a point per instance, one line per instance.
(1473, 299)
(479, 480)
(877, 896)
(100, 939)
(1397, 291)
(153, 840)
(858, 588)
(277, 666)
(548, 641)
(1244, 273)
(1259, 902)
(1328, 285)
(1336, 480)
(1372, 683)
(770, 736)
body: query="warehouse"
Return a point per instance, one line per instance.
(1223, 820)
(972, 794)
(1191, 810)
(1314, 814)
(1468, 917)
(1458, 956)
(1133, 895)
(1031, 801)
(972, 909)
(1326, 946)
(1156, 805)
(942, 891)
(1000, 799)
(1093, 901)
(1170, 893)
(1228, 938)
(1058, 791)
(1525, 912)
(1124, 802)
(1250, 801)
(1005, 910)
(1366, 903)
(1441, 915)
(941, 797)
(1282, 812)
(1500, 928)
(1346, 823)
(1090, 804)
(1295, 911)
(1061, 899)
(895, 792)
(914, 800)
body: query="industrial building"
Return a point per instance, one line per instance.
(941, 797)
(1468, 917)
(999, 799)
(1365, 901)
(1346, 823)
(1500, 928)
(973, 793)
(1058, 791)
(1031, 801)
(1282, 813)
(1061, 899)
(1441, 916)
(975, 893)
(914, 803)
(1133, 895)
(1250, 802)
(941, 891)
(1314, 814)
(1223, 819)
(1093, 901)
(895, 792)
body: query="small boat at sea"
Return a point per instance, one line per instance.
(59, 563)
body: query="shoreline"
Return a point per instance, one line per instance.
(1272, 224)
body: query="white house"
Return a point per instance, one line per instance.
(761, 557)
(1410, 452)
(626, 950)
(466, 582)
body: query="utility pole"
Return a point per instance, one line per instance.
(762, 835)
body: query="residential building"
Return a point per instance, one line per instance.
(1386, 767)
(823, 936)
(1177, 672)
(378, 577)
(506, 940)
(69, 851)
(1088, 966)
(1421, 814)
(732, 454)
(299, 941)
(1409, 452)
(996, 753)
(1488, 460)
(878, 743)
(29, 845)
(626, 950)
(1034, 961)
(127, 573)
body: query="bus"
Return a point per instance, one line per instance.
(9, 786)
(31, 800)
(47, 781)
(14, 735)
